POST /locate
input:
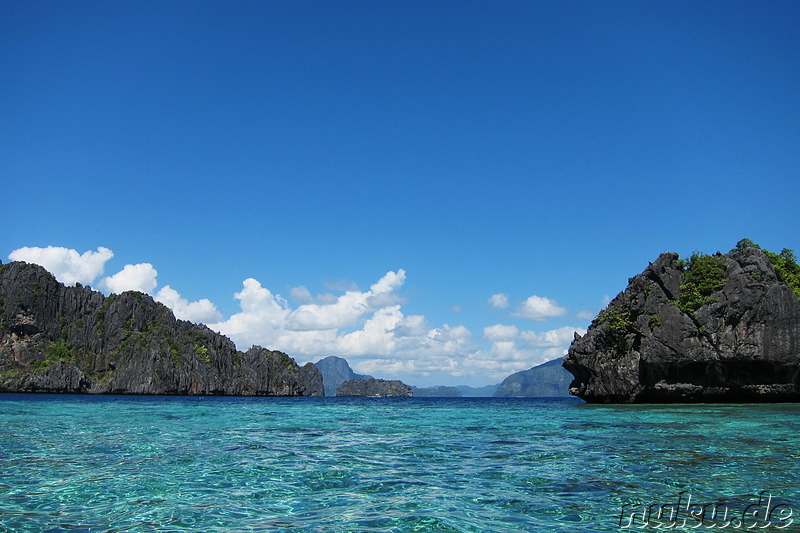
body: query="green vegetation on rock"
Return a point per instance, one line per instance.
(60, 351)
(704, 275)
(617, 320)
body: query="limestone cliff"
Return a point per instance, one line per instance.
(75, 340)
(724, 328)
(374, 388)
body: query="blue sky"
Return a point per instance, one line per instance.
(441, 192)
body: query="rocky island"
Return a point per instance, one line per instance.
(335, 371)
(55, 338)
(715, 328)
(375, 388)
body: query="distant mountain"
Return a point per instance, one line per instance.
(336, 371)
(436, 392)
(477, 392)
(549, 379)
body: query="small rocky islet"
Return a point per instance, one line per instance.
(375, 388)
(715, 328)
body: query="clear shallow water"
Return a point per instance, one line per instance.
(82, 463)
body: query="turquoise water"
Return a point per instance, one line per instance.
(80, 463)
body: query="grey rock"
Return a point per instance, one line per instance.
(73, 339)
(374, 388)
(741, 345)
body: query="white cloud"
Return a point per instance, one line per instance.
(301, 294)
(376, 337)
(202, 311)
(412, 326)
(369, 328)
(499, 332)
(513, 350)
(140, 277)
(67, 265)
(586, 315)
(349, 308)
(553, 338)
(539, 308)
(262, 319)
(499, 301)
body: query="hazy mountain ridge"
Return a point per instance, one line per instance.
(549, 379)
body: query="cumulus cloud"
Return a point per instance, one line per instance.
(499, 301)
(368, 327)
(513, 350)
(67, 265)
(263, 316)
(348, 308)
(553, 338)
(343, 312)
(499, 332)
(140, 277)
(301, 294)
(539, 308)
(200, 311)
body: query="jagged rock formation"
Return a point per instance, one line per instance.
(374, 388)
(547, 380)
(336, 371)
(436, 392)
(731, 334)
(74, 340)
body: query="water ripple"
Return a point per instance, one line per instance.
(117, 464)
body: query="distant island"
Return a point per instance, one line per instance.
(713, 328)
(374, 388)
(335, 371)
(62, 339)
(546, 380)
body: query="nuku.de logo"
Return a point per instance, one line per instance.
(760, 515)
